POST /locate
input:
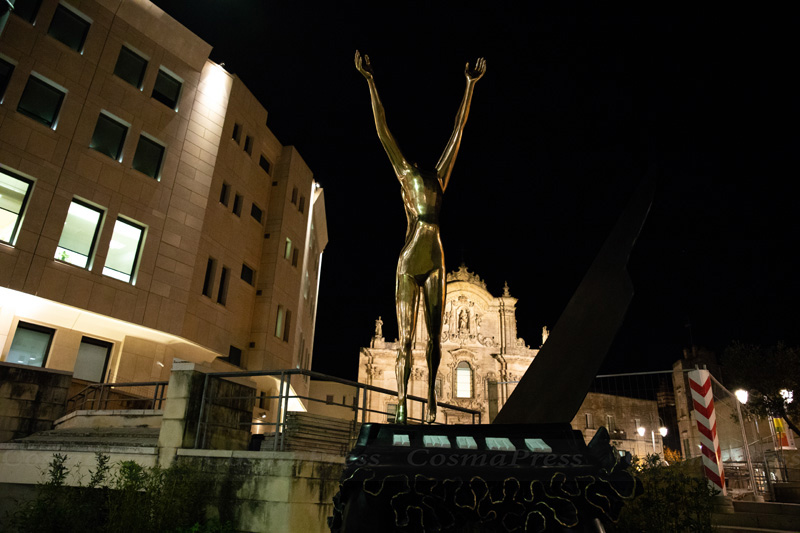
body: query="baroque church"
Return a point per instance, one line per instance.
(482, 357)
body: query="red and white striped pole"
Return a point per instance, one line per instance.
(703, 402)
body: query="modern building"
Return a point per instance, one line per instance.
(147, 212)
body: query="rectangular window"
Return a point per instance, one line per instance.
(14, 194)
(208, 281)
(589, 421)
(92, 359)
(130, 67)
(109, 137)
(287, 326)
(256, 212)
(148, 157)
(27, 9)
(31, 345)
(248, 144)
(302, 205)
(610, 425)
(294, 195)
(237, 205)
(329, 399)
(237, 133)
(79, 236)
(41, 101)
(391, 412)
(224, 194)
(124, 250)
(235, 356)
(279, 322)
(167, 89)
(287, 253)
(264, 164)
(6, 69)
(295, 254)
(222, 295)
(69, 27)
(248, 274)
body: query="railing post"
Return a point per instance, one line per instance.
(286, 409)
(278, 414)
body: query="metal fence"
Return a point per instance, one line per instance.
(101, 396)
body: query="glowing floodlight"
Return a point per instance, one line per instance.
(741, 395)
(640, 430)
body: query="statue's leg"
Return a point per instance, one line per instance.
(406, 300)
(434, 292)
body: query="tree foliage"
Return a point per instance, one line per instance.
(765, 372)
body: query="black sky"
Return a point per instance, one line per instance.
(577, 103)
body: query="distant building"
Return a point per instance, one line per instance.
(147, 212)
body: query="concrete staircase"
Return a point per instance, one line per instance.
(759, 517)
(90, 439)
(305, 432)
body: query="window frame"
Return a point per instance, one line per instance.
(225, 194)
(457, 380)
(260, 217)
(75, 15)
(137, 255)
(248, 144)
(252, 274)
(125, 48)
(208, 278)
(4, 84)
(30, 326)
(224, 281)
(49, 84)
(23, 205)
(103, 344)
(265, 165)
(95, 237)
(238, 200)
(31, 18)
(154, 142)
(236, 135)
(159, 96)
(113, 119)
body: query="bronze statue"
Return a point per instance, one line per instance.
(421, 262)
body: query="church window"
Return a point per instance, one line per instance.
(463, 380)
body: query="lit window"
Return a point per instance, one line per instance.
(287, 253)
(14, 194)
(41, 101)
(27, 9)
(109, 137)
(124, 250)
(130, 67)
(279, 322)
(69, 27)
(224, 194)
(248, 144)
(463, 380)
(466, 443)
(6, 69)
(148, 157)
(31, 345)
(237, 205)
(499, 444)
(222, 295)
(79, 236)
(248, 274)
(264, 164)
(237, 133)
(92, 359)
(256, 212)
(167, 89)
(208, 281)
(435, 441)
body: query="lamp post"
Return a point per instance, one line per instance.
(741, 396)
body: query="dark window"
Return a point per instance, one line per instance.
(295, 253)
(222, 295)
(6, 69)
(264, 164)
(27, 9)
(208, 281)
(148, 157)
(287, 325)
(302, 205)
(248, 274)
(294, 195)
(109, 137)
(329, 399)
(237, 133)
(167, 89)
(248, 144)
(79, 236)
(92, 359)
(31, 345)
(256, 212)
(130, 67)
(41, 101)
(237, 205)
(124, 250)
(69, 28)
(235, 356)
(224, 194)
(14, 193)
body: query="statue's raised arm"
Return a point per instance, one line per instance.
(445, 165)
(388, 141)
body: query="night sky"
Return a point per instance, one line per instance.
(577, 103)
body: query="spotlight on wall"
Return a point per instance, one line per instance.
(640, 431)
(741, 395)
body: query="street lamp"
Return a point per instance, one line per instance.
(741, 395)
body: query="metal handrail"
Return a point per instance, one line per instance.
(100, 395)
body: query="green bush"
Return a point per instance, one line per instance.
(675, 499)
(133, 498)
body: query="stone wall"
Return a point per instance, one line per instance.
(31, 399)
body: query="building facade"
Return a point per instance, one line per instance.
(147, 212)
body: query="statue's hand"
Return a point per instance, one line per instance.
(364, 68)
(476, 73)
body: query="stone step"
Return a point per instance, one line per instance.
(91, 438)
(768, 508)
(780, 522)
